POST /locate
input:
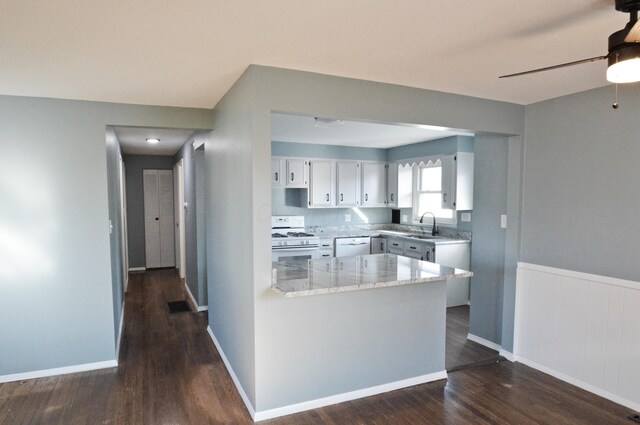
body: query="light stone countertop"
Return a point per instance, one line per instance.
(342, 274)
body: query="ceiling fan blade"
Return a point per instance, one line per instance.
(634, 34)
(549, 68)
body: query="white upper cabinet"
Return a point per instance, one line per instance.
(457, 181)
(349, 181)
(374, 184)
(277, 174)
(322, 183)
(392, 185)
(297, 173)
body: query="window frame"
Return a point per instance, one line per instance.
(428, 162)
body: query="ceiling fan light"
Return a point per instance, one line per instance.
(624, 72)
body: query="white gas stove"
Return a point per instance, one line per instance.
(289, 241)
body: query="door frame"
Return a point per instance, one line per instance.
(181, 207)
(124, 252)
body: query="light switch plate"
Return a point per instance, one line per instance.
(347, 218)
(405, 218)
(503, 221)
(466, 217)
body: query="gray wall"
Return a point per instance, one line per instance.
(231, 235)
(243, 137)
(581, 183)
(187, 154)
(487, 251)
(56, 282)
(134, 165)
(115, 240)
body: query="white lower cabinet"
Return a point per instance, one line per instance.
(455, 255)
(326, 248)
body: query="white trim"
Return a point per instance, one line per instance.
(508, 355)
(485, 342)
(580, 275)
(587, 387)
(199, 308)
(236, 381)
(325, 401)
(120, 333)
(137, 269)
(58, 371)
(351, 395)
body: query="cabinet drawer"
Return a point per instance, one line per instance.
(410, 246)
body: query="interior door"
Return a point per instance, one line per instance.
(158, 218)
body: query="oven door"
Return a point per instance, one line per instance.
(294, 253)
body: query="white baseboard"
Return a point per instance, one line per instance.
(580, 384)
(58, 371)
(120, 332)
(351, 395)
(508, 355)
(484, 342)
(236, 381)
(137, 269)
(193, 300)
(325, 401)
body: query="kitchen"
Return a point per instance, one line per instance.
(335, 216)
(354, 200)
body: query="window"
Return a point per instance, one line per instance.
(428, 193)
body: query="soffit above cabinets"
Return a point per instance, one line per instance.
(323, 131)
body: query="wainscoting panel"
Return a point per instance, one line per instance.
(582, 328)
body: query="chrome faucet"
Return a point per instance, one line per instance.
(434, 229)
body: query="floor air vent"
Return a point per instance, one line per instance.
(178, 306)
(635, 417)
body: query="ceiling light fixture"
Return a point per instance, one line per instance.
(319, 121)
(153, 141)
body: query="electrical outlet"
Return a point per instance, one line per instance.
(503, 221)
(405, 218)
(347, 218)
(466, 217)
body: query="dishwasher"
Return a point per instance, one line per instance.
(346, 247)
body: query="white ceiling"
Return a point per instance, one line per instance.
(301, 129)
(133, 140)
(189, 53)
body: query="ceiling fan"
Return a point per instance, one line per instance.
(624, 50)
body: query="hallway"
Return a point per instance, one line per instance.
(170, 373)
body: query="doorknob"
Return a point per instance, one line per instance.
(157, 219)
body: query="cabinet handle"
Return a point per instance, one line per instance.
(394, 244)
(292, 177)
(412, 247)
(327, 197)
(341, 197)
(366, 197)
(391, 196)
(325, 255)
(428, 255)
(444, 197)
(276, 176)
(381, 246)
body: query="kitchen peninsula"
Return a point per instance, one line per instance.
(356, 326)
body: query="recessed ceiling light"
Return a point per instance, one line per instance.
(153, 141)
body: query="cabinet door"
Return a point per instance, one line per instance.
(378, 245)
(277, 176)
(374, 184)
(449, 182)
(321, 183)
(348, 176)
(392, 185)
(297, 173)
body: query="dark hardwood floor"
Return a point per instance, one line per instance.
(460, 352)
(170, 373)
